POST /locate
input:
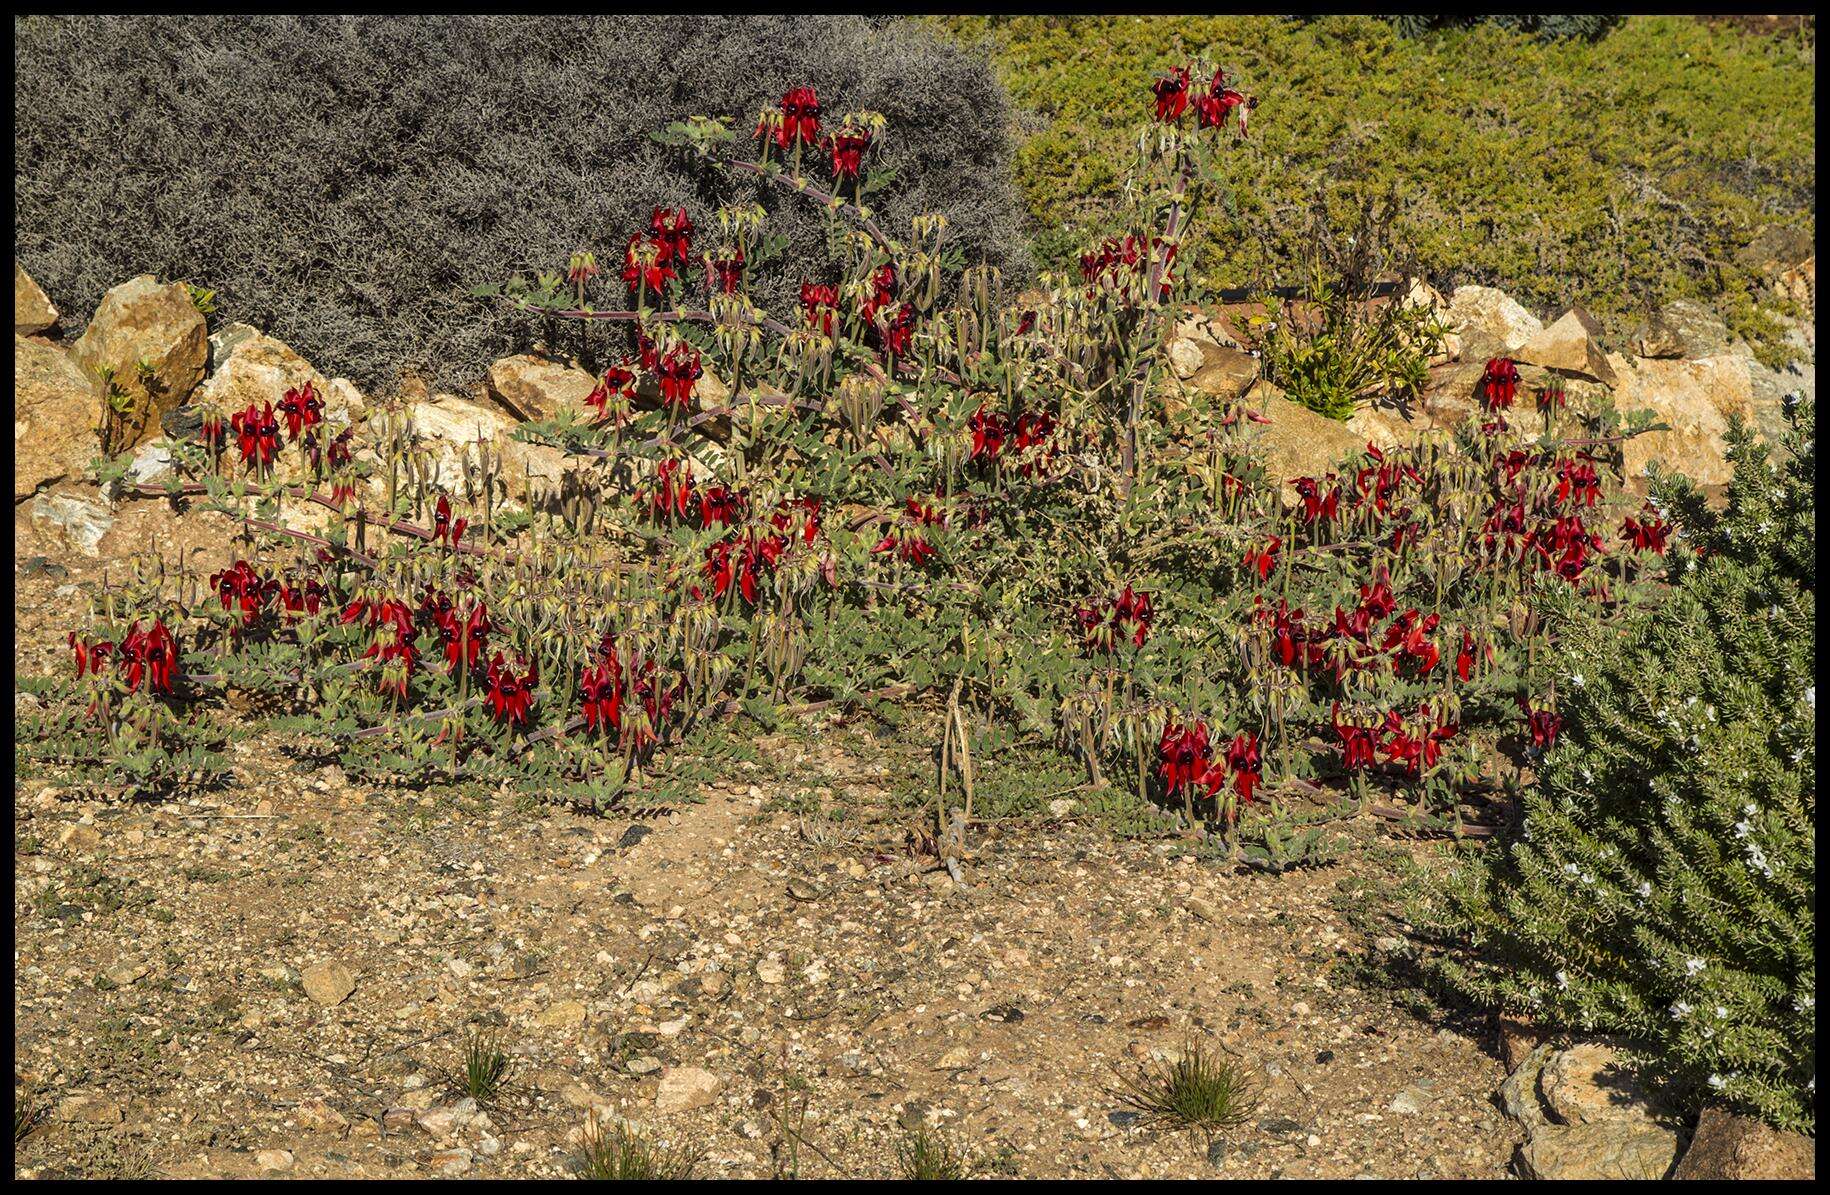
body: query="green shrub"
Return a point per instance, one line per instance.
(1618, 173)
(1585, 26)
(1662, 885)
(341, 181)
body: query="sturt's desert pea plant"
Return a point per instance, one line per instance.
(915, 483)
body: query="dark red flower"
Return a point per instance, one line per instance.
(644, 269)
(1358, 742)
(900, 331)
(1263, 559)
(1316, 506)
(1407, 638)
(679, 372)
(909, 540)
(601, 687)
(727, 272)
(671, 231)
(1464, 657)
(1242, 761)
(987, 433)
(257, 436)
(303, 409)
(1500, 383)
(673, 491)
(848, 149)
(1544, 725)
(1171, 91)
(1213, 106)
(1185, 760)
(511, 692)
(239, 586)
(1647, 534)
(613, 391)
(800, 120)
(149, 656)
(1418, 751)
(820, 306)
(721, 506)
(90, 657)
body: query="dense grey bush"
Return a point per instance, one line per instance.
(340, 181)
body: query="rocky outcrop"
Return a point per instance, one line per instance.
(1225, 373)
(154, 339)
(1490, 322)
(1586, 1114)
(535, 388)
(57, 408)
(1696, 399)
(454, 430)
(1728, 1146)
(1569, 346)
(32, 310)
(252, 367)
(1298, 442)
(1684, 328)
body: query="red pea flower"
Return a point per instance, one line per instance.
(1500, 383)
(1464, 657)
(673, 492)
(257, 436)
(1171, 91)
(241, 587)
(679, 371)
(644, 267)
(1264, 559)
(848, 150)
(1185, 759)
(1316, 507)
(987, 433)
(511, 692)
(820, 306)
(900, 331)
(90, 657)
(602, 689)
(150, 656)
(721, 506)
(1647, 534)
(1213, 106)
(1544, 725)
(671, 230)
(908, 541)
(1358, 742)
(1242, 760)
(303, 409)
(726, 272)
(882, 293)
(800, 120)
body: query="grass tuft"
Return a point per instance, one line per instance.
(925, 1155)
(621, 1154)
(485, 1067)
(1197, 1091)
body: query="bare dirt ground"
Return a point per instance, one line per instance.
(763, 977)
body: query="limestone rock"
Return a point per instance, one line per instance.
(1225, 373)
(32, 310)
(684, 1088)
(1696, 399)
(81, 521)
(535, 388)
(328, 983)
(1799, 285)
(252, 367)
(1684, 328)
(1570, 345)
(566, 1014)
(1298, 442)
(1606, 1149)
(1591, 1083)
(1485, 317)
(56, 410)
(452, 429)
(1729, 1146)
(1519, 1093)
(147, 322)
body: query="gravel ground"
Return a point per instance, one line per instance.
(281, 978)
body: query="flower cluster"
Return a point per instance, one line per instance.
(146, 657)
(1106, 623)
(1186, 763)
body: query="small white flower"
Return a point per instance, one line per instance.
(1563, 980)
(1694, 966)
(1717, 1082)
(1680, 1010)
(1645, 890)
(1575, 678)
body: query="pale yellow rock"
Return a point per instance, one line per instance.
(32, 310)
(1569, 346)
(536, 388)
(1696, 399)
(56, 410)
(147, 323)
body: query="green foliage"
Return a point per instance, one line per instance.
(1584, 26)
(1339, 351)
(1663, 882)
(485, 1068)
(1616, 173)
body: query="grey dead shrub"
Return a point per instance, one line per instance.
(341, 181)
